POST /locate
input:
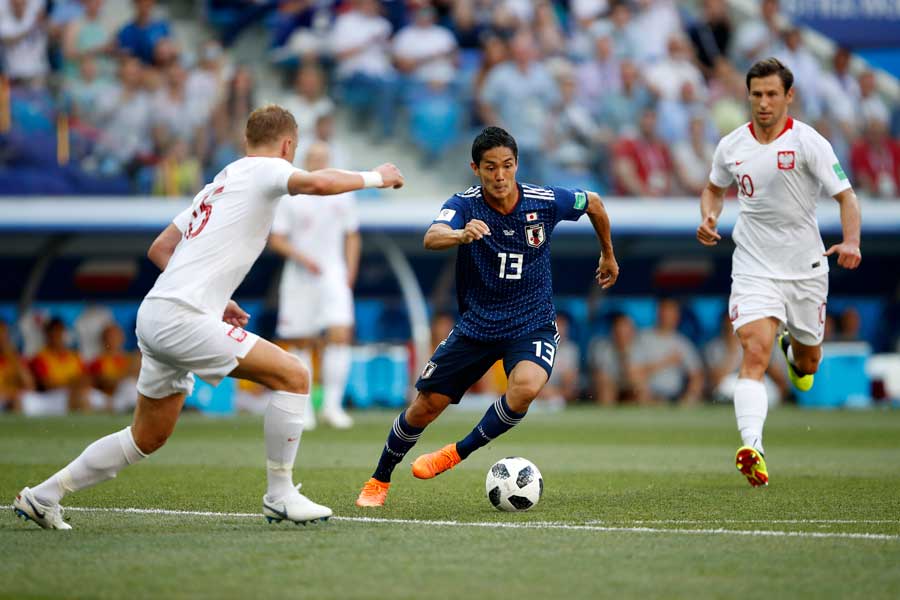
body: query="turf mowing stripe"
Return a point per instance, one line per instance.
(532, 525)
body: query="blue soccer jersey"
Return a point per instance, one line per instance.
(503, 281)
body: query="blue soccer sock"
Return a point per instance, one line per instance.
(497, 420)
(400, 440)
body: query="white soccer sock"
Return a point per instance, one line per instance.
(335, 369)
(283, 425)
(100, 461)
(750, 407)
(305, 356)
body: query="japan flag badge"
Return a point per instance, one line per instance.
(532, 216)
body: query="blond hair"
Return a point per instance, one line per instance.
(268, 124)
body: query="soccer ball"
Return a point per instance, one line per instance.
(514, 484)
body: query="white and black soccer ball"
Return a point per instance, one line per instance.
(514, 484)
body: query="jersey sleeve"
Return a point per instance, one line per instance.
(570, 204)
(824, 165)
(452, 213)
(183, 219)
(719, 175)
(276, 176)
(281, 224)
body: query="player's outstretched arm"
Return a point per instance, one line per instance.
(163, 247)
(327, 182)
(711, 201)
(849, 255)
(608, 269)
(441, 237)
(281, 245)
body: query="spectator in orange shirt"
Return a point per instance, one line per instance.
(58, 368)
(642, 165)
(15, 379)
(113, 366)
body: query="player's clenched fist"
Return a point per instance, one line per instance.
(706, 232)
(474, 230)
(607, 272)
(849, 255)
(391, 176)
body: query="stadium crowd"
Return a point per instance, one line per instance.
(578, 82)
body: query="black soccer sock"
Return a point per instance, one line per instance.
(497, 420)
(400, 440)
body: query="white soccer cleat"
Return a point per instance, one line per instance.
(339, 419)
(27, 507)
(295, 507)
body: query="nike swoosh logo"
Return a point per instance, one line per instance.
(38, 513)
(280, 513)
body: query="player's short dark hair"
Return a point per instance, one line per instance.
(771, 66)
(268, 124)
(493, 137)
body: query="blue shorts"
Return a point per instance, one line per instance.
(460, 361)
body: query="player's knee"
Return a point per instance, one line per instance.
(425, 409)
(522, 392)
(294, 378)
(756, 355)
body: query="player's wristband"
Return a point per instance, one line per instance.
(372, 179)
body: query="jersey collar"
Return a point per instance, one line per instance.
(789, 124)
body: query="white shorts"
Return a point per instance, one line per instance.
(799, 304)
(308, 306)
(176, 341)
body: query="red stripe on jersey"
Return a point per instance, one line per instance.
(789, 124)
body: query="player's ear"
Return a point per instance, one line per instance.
(790, 95)
(474, 168)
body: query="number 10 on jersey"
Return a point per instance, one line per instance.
(510, 265)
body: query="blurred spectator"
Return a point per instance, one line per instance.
(114, 371)
(23, 40)
(674, 114)
(58, 369)
(831, 328)
(324, 132)
(126, 113)
(875, 162)
(601, 75)
(207, 84)
(87, 36)
(613, 373)
(642, 165)
(621, 29)
(694, 156)
(15, 378)
(759, 38)
(871, 106)
(723, 356)
(840, 92)
(309, 100)
(575, 140)
(850, 325)
(469, 22)
(667, 361)
(426, 51)
(230, 119)
(140, 36)
(711, 35)
(178, 173)
(563, 385)
(87, 92)
(807, 73)
(667, 77)
(658, 21)
(518, 95)
(727, 98)
(360, 42)
(548, 33)
(176, 114)
(494, 51)
(620, 111)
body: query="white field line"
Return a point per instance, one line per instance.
(767, 521)
(525, 525)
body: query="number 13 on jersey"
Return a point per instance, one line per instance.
(513, 268)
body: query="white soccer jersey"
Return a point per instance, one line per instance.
(224, 232)
(777, 234)
(316, 227)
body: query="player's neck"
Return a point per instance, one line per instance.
(503, 205)
(767, 135)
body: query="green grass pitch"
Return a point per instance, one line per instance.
(637, 504)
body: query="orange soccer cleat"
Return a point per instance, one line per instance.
(434, 463)
(374, 493)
